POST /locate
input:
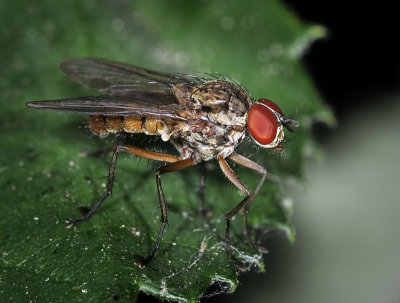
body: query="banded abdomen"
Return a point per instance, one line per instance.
(102, 126)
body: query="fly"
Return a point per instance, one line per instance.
(204, 119)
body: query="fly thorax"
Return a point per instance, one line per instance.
(216, 115)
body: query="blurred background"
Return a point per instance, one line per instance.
(346, 214)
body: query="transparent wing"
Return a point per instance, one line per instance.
(119, 79)
(111, 106)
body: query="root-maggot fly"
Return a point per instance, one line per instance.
(203, 118)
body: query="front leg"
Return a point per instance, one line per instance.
(247, 201)
(258, 168)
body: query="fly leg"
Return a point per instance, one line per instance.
(111, 172)
(108, 191)
(175, 164)
(247, 201)
(185, 152)
(201, 209)
(228, 172)
(258, 168)
(181, 164)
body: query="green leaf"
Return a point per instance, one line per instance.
(45, 179)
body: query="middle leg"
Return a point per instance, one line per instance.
(175, 164)
(201, 209)
(181, 164)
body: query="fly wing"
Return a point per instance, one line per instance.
(119, 79)
(111, 106)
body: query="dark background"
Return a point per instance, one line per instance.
(360, 53)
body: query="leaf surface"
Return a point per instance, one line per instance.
(45, 179)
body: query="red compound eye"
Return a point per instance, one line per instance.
(262, 122)
(271, 105)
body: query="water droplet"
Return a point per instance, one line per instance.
(248, 22)
(263, 55)
(48, 25)
(276, 49)
(227, 23)
(118, 24)
(218, 7)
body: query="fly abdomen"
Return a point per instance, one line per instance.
(97, 125)
(148, 126)
(102, 126)
(114, 124)
(132, 125)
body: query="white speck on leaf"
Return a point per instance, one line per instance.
(118, 24)
(227, 23)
